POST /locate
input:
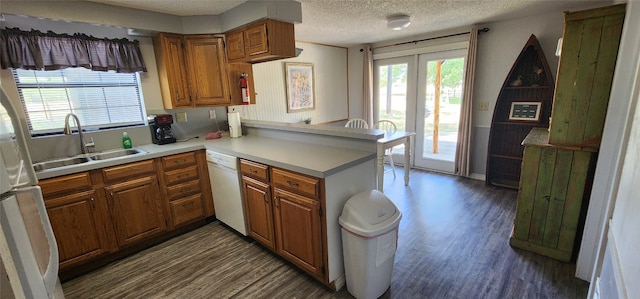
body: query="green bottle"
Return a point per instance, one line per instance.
(126, 141)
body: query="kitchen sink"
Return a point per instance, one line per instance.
(75, 160)
(59, 163)
(116, 153)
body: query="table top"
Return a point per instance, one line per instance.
(395, 136)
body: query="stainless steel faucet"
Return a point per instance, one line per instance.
(67, 131)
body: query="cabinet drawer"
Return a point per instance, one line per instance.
(179, 160)
(65, 183)
(184, 189)
(295, 182)
(187, 209)
(255, 170)
(128, 170)
(181, 175)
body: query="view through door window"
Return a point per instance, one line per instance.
(426, 100)
(443, 99)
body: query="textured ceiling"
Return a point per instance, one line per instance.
(351, 22)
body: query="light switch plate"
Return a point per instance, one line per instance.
(212, 114)
(484, 106)
(181, 117)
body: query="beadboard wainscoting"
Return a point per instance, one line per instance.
(330, 80)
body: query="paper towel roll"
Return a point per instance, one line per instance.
(235, 128)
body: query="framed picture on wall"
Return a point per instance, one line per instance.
(300, 86)
(527, 111)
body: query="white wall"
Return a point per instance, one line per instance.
(331, 87)
(617, 176)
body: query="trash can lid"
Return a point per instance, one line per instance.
(369, 213)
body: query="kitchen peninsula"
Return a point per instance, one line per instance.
(342, 161)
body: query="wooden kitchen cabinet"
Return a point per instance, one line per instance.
(259, 211)
(299, 230)
(257, 202)
(585, 74)
(99, 215)
(290, 222)
(261, 41)
(79, 218)
(172, 71)
(135, 201)
(185, 184)
(192, 70)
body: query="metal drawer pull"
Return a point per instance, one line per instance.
(293, 184)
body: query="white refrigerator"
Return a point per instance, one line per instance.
(28, 249)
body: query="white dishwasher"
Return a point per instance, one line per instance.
(225, 186)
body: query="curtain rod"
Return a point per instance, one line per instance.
(485, 29)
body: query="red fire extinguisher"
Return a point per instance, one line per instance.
(244, 89)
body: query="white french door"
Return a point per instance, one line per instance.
(439, 99)
(423, 94)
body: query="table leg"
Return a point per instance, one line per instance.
(380, 166)
(407, 159)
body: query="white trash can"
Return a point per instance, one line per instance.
(369, 224)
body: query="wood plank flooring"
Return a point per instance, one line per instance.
(453, 243)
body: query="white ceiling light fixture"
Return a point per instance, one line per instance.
(397, 22)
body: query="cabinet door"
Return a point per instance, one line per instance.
(256, 39)
(235, 45)
(172, 72)
(259, 212)
(136, 209)
(298, 230)
(78, 222)
(207, 70)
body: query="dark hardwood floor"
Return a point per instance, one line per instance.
(453, 243)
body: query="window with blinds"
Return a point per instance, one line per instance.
(101, 100)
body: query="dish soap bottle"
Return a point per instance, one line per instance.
(126, 141)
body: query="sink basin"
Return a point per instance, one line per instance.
(116, 153)
(59, 163)
(110, 154)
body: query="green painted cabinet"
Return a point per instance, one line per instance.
(585, 73)
(554, 189)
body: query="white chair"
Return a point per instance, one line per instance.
(357, 123)
(389, 127)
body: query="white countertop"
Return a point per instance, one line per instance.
(311, 159)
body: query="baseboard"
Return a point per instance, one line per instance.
(478, 176)
(616, 263)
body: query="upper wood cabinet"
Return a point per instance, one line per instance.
(192, 70)
(261, 41)
(585, 75)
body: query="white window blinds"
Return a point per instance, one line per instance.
(101, 100)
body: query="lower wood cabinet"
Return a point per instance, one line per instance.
(288, 220)
(259, 211)
(79, 220)
(97, 213)
(299, 230)
(186, 187)
(136, 208)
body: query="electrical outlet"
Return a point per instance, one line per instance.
(181, 117)
(484, 106)
(212, 114)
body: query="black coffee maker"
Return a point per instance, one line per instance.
(160, 126)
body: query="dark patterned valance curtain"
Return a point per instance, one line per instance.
(35, 50)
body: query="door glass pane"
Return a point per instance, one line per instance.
(443, 98)
(392, 98)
